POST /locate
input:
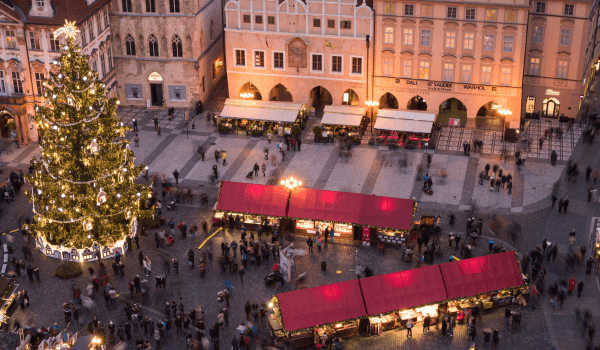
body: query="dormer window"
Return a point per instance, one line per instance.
(40, 3)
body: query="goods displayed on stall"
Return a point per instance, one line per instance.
(344, 121)
(257, 118)
(375, 304)
(408, 129)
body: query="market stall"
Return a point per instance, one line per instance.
(257, 118)
(390, 217)
(404, 128)
(252, 202)
(347, 121)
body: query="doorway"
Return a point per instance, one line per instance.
(156, 94)
(7, 124)
(550, 108)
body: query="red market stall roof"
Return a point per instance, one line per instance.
(309, 307)
(306, 203)
(403, 289)
(484, 274)
(250, 198)
(387, 212)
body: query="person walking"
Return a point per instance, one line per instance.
(571, 286)
(309, 242)
(299, 143)
(495, 338)
(156, 121)
(135, 128)
(409, 326)
(256, 169)
(565, 204)
(176, 176)
(561, 204)
(579, 289)
(158, 130)
(264, 169)
(588, 172)
(136, 140)
(553, 198)
(507, 314)
(224, 155)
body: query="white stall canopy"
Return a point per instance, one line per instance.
(409, 121)
(343, 115)
(271, 111)
(407, 115)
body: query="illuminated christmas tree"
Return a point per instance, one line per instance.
(83, 188)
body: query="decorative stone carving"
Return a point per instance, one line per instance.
(141, 43)
(188, 41)
(164, 45)
(297, 53)
(21, 40)
(117, 44)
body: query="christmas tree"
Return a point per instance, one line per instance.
(83, 188)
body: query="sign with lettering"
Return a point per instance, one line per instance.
(474, 87)
(154, 76)
(552, 92)
(437, 86)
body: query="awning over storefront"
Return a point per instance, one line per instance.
(386, 212)
(272, 111)
(406, 115)
(416, 126)
(484, 274)
(343, 115)
(324, 205)
(250, 198)
(320, 305)
(403, 289)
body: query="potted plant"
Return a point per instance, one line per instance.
(318, 131)
(372, 140)
(223, 130)
(296, 130)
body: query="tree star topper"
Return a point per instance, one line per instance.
(68, 29)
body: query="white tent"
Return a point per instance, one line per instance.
(343, 115)
(272, 111)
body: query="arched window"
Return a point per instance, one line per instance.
(212, 31)
(153, 46)
(174, 6)
(130, 45)
(177, 47)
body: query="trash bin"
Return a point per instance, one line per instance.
(235, 268)
(323, 265)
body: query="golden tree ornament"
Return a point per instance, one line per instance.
(69, 30)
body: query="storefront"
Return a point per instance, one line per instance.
(257, 118)
(347, 121)
(408, 129)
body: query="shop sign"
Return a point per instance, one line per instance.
(474, 87)
(403, 91)
(552, 92)
(154, 76)
(412, 82)
(436, 86)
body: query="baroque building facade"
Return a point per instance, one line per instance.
(167, 52)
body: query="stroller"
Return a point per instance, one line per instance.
(250, 175)
(171, 205)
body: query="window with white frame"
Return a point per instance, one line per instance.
(490, 15)
(388, 67)
(408, 36)
(153, 46)
(240, 58)
(11, 39)
(407, 69)
(336, 64)
(486, 75)
(110, 59)
(425, 37)
(259, 59)
(510, 16)
(34, 41)
(470, 14)
(505, 76)
(466, 73)
(538, 34)
(509, 43)
(389, 8)
(388, 35)
(450, 40)
(561, 69)
(409, 9)
(91, 29)
(426, 10)
(448, 72)
(469, 41)
(99, 22)
(534, 66)
(54, 43)
(177, 46)
(356, 65)
(83, 36)
(488, 42)
(451, 12)
(540, 7)
(569, 9)
(2, 83)
(39, 80)
(103, 64)
(565, 37)
(317, 62)
(105, 15)
(278, 60)
(424, 70)
(17, 83)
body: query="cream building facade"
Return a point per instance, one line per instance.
(167, 52)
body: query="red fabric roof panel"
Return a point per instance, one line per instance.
(484, 274)
(320, 305)
(250, 198)
(387, 212)
(403, 289)
(306, 203)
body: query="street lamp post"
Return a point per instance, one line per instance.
(247, 95)
(371, 105)
(291, 183)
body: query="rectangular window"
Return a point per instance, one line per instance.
(2, 84)
(34, 41)
(105, 15)
(569, 9)
(99, 23)
(469, 41)
(83, 36)
(103, 64)
(258, 19)
(448, 71)
(451, 12)
(425, 37)
(271, 19)
(465, 73)
(407, 69)
(389, 8)
(214, 70)
(534, 66)
(423, 70)
(470, 14)
(91, 30)
(505, 76)
(317, 63)
(54, 43)
(39, 79)
(490, 15)
(408, 36)
(426, 10)
(356, 65)
(538, 34)
(561, 70)
(240, 58)
(346, 24)
(278, 60)
(17, 83)
(259, 59)
(203, 84)
(317, 22)
(110, 61)
(409, 10)
(331, 23)
(246, 18)
(540, 7)
(509, 43)
(150, 6)
(94, 66)
(488, 42)
(11, 39)
(510, 16)
(450, 40)
(565, 37)
(388, 67)
(388, 35)
(336, 64)
(486, 75)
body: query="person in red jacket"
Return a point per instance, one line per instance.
(571, 286)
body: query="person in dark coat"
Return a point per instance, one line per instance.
(495, 337)
(426, 323)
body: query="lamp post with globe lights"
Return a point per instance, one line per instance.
(372, 104)
(247, 95)
(291, 183)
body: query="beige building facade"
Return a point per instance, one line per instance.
(167, 52)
